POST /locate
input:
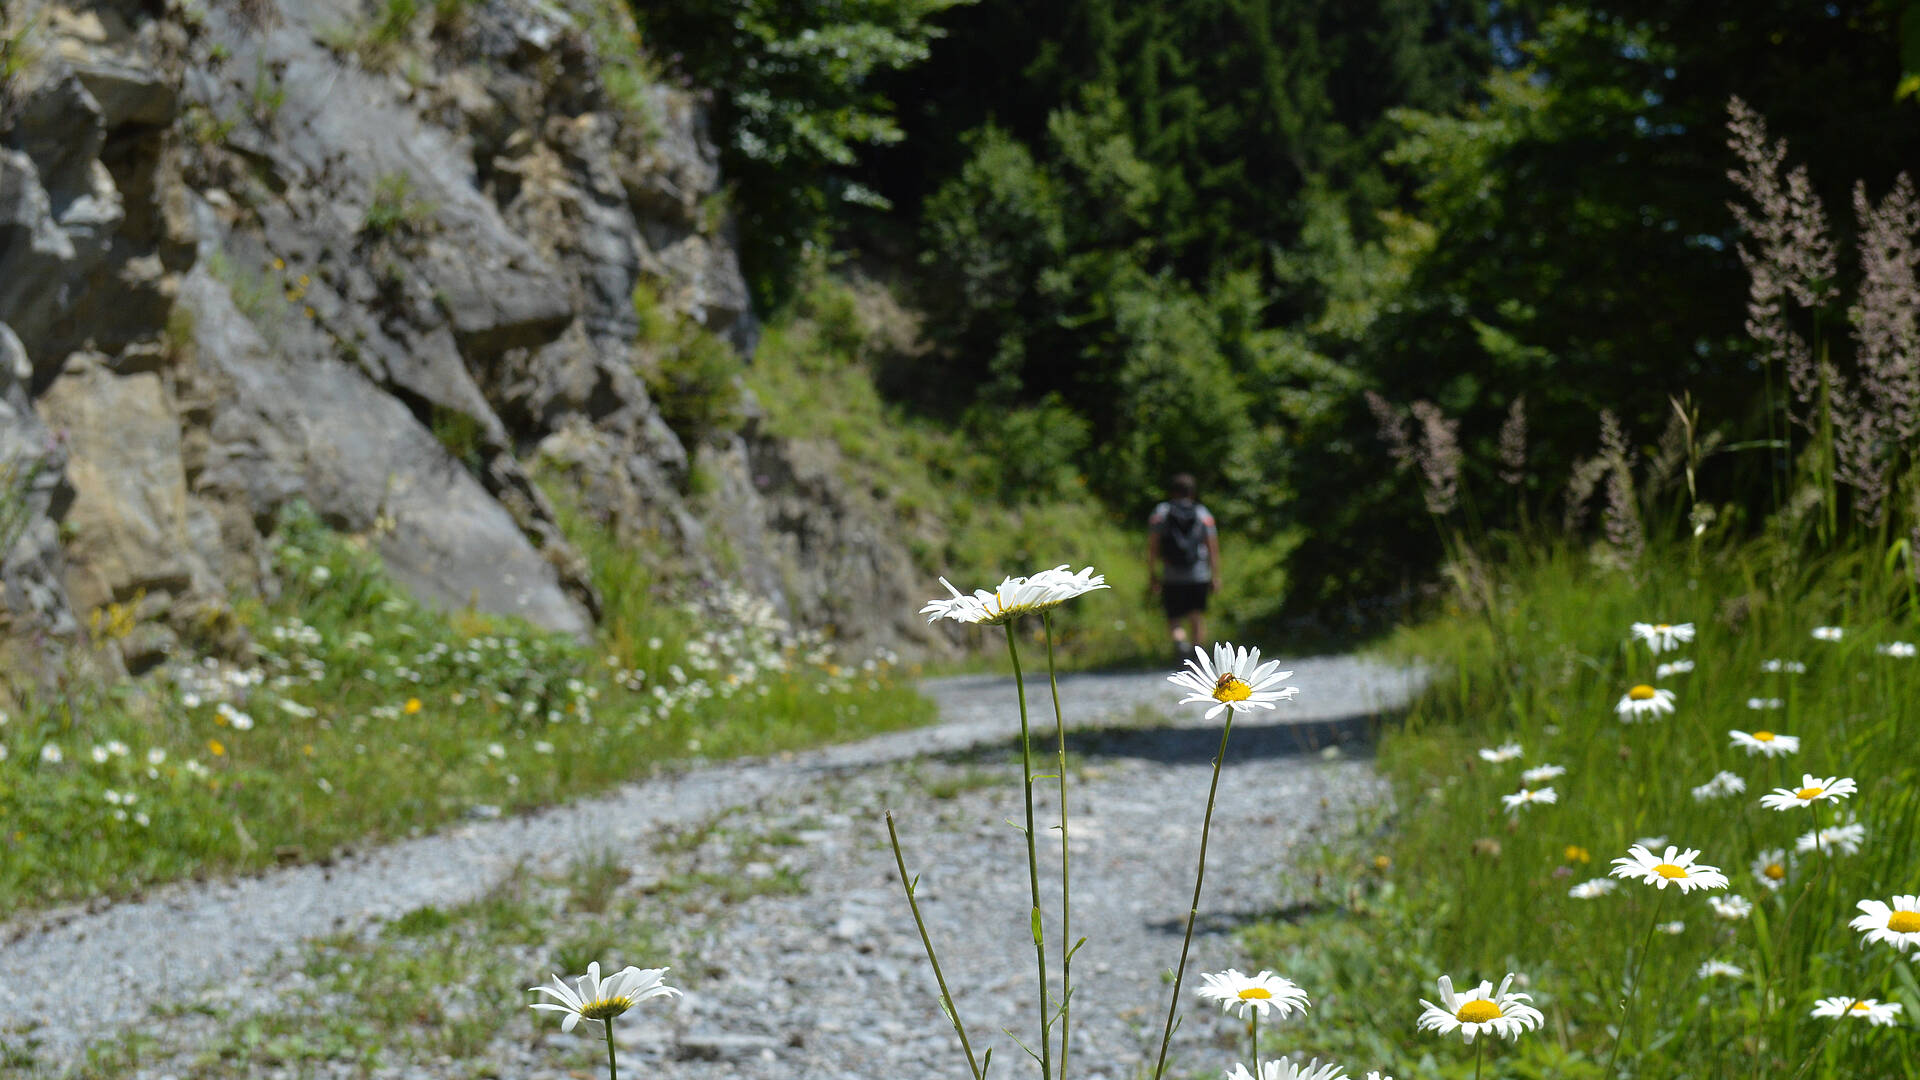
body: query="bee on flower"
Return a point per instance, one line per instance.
(1233, 678)
(1644, 702)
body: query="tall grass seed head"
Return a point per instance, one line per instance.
(1480, 1010)
(1897, 924)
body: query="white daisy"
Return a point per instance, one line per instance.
(1672, 667)
(1720, 969)
(592, 999)
(1771, 868)
(99, 755)
(1503, 753)
(1812, 789)
(1524, 797)
(1829, 633)
(1677, 926)
(1651, 843)
(1783, 667)
(1377, 1076)
(1873, 1012)
(50, 754)
(1240, 993)
(1902, 649)
(1288, 1069)
(1482, 1009)
(1644, 702)
(1233, 677)
(1594, 889)
(1765, 742)
(1722, 785)
(1542, 772)
(1662, 636)
(1014, 597)
(1834, 839)
(1897, 924)
(1762, 704)
(1676, 867)
(1730, 907)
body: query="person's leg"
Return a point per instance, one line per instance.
(1197, 628)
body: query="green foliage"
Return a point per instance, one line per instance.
(463, 436)
(692, 373)
(797, 103)
(1543, 667)
(394, 209)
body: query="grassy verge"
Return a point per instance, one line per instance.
(1467, 887)
(359, 716)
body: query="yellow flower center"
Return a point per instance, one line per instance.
(1643, 692)
(1861, 1006)
(1662, 626)
(606, 1008)
(1904, 922)
(1255, 992)
(1478, 1012)
(1670, 871)
(1808, 794)
(1775, 871)
(1763, 736)
(1231, 688)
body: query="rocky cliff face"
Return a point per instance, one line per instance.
(264, 250)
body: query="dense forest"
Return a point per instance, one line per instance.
(1303, 248)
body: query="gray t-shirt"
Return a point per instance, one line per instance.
(1201, 571)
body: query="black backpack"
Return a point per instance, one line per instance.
(1184, 536)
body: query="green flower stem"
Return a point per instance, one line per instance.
(613, 1069)
(1633, 986)
(1066, 891)
(1253, 1037)
(1479, 1051)
(1033, 862)
(1193, 909)
(946, 997)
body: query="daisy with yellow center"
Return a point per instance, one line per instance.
(1662, 636)
(1675, 867)
(1770, 868)
(1014, 597)
(1844, 839)
(1481, 1009)
(1243, 994)
(1897, 924)
(1720, 969)
(1644, 702)
(591, 998)
(1501, 754)
(1874, 1012)
(1526, 797)
(1812, 789)
(1233, 678)
(1288, 1069)
(1765, 743)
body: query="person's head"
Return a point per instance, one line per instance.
(1181, 486)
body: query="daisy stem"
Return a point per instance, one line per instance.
(1193, 910)
(1253, 1037)
(613, 1069)
(946, 997)
(1479, 1051)
(1633, 985)
(1821, 1045)
(1066, 894)
(1033, 862)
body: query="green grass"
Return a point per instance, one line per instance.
(1475, 892)
(359, 716)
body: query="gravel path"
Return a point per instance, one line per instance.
(826, 983)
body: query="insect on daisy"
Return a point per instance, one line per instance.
(1662, 636)
(1479, 1010)
(1812, 789)
(1233, 677)
(1503, 753)
(1897, 924)
(1770, 868)
(1675, 867)
(591, 998)
(1524, 797)
(1765, 742)
(1644, 702)
(1874, 1012)
(1240, 993)
(1542, 772)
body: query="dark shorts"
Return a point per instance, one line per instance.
(1185, 599)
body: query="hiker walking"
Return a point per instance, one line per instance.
(1183, 563)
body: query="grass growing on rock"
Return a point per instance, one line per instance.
(359, 716)
(1464, 886)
